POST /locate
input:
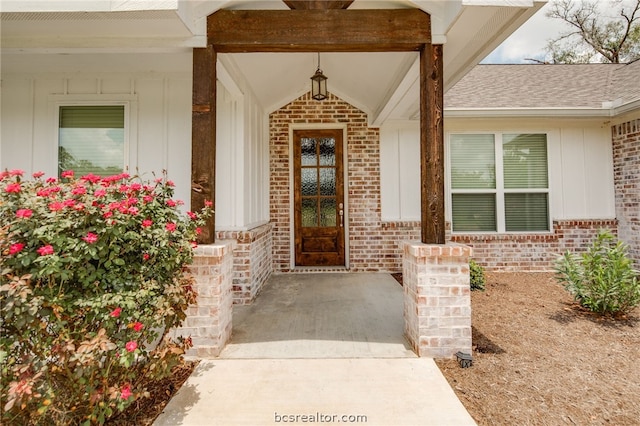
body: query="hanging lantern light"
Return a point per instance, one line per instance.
(319, 84)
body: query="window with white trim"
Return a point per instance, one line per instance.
(91, 139)
(499, 182)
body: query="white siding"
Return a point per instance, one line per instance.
(157, 90)
(580, 165)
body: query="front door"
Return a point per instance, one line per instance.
(318, 198)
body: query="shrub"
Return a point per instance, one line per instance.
(92, 279)
(476, 272)
(602, 279)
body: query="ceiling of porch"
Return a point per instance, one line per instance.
(384, 85)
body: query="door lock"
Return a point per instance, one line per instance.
(341, 213)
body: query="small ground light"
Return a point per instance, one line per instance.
(465, 360)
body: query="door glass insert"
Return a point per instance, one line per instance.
(318, 176)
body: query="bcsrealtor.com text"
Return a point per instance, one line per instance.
(319, 418)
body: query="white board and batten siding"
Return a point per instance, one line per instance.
(156, 91)
(580, 160)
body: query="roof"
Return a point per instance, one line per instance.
(557, 86)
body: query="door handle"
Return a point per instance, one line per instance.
(341, 213)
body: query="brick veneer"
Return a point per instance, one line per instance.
(513, 252)
(209, 322)
(373, 247)
(437, 298)
(252, 261)
(626, 170)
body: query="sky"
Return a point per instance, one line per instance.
(528, 41)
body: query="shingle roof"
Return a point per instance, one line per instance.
(545, 86)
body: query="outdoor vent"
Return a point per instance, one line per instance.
(465, 360)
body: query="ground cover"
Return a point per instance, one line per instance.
(539, 358)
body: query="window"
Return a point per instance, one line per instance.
(499, 182)
(92, 139)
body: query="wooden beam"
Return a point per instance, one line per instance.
(318, 4)
(432, 145)
(379, 30)
(203, 136)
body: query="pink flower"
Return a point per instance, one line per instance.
(125, 392)
(38, 174)
(208, 203)
(51, 180)
(194, 244)
(56, 206)
(171, 203)
(100, 192)
(170, 183)
(115, 313)
(67, 174)
(147, 198)
(137, 326)
(91, 178)
(16, 172)
(131, 346)
(90, 238)
(136, 186)
(198, 231)
(16, 248)
(107, 215)
(45, 250)
(24, 213)
(145, 256)
(79, 190)
(132, 210)
(78, 207)
(69, 203)
(192, 215)
(13, 187)
(171, 227)
(147, 223)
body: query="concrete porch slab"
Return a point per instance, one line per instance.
(405, 391)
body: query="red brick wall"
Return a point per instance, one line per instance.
(376, 245)
(626, 170)
(367, 245)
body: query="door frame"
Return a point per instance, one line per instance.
(345, 169)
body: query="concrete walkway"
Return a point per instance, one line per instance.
(318, 348)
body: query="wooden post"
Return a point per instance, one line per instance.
(203, 136)
(432, 145)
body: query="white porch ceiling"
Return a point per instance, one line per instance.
(384, 85)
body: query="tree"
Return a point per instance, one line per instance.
(594, 36)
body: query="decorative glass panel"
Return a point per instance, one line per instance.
(309, 212)
(526, 212)
(327, 152)
(525, 161)
(91, 139)
(309, 156)
(328, 212)
(474, 212)
(309, 181)
(328, 181)
(473, 164)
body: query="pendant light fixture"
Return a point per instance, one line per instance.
(319, 84)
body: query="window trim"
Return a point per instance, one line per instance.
(500, 190)
(130, 120)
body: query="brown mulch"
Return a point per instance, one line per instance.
(541, 359)
(144, 411)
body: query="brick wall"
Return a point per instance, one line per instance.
(511, 252)
(367, 244)
(376, 245)
(252, 261)
(626, 169)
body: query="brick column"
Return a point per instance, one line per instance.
(437, 298)
(209, 321)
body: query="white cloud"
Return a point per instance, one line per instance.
(528, 41)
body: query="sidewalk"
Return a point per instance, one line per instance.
(318, 349)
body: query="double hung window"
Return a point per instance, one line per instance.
(499, 182)
(91, 139)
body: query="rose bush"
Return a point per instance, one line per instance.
(93, 277)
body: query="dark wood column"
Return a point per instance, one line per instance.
(432, 144)
(203, 136)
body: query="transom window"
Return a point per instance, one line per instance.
(91, 139)
(499, 182)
